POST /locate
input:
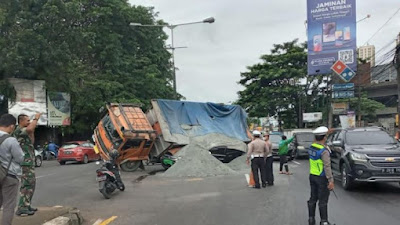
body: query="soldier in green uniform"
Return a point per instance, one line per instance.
(25, 136)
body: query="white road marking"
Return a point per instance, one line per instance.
(45, 175)
(296, 162)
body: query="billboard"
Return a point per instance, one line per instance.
(312, 117)
(331, 34)
(59, 109)
(30, 99)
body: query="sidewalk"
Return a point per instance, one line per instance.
(45, 214)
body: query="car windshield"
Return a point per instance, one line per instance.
(70, 145)
(307, 137)
(275, 138)
(369, 138)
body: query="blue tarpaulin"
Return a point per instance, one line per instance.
(204, 118)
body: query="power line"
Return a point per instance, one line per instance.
(390, 18)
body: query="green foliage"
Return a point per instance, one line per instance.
(279, 86)
(368, 106)
(88, 49)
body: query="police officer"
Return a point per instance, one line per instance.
(321, 178)
(257, 150)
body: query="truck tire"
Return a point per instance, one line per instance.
(131, 166)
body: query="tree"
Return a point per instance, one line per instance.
(88, 49)
(368, 106)
(279, 86)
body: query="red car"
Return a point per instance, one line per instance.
(78, 151)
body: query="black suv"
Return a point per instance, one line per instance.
(364, 155)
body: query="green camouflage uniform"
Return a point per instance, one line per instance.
(28, 179)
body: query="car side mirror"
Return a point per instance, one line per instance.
(337, 143)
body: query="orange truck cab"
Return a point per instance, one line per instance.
(125, 128)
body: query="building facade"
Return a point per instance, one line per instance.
(367, 53)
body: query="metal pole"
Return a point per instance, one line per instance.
(397, 63)
(173, 61)
(359, 99)
(329, 89)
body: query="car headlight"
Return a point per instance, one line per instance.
(358, 157)
(301, 148)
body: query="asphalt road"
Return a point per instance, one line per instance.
(217, 200)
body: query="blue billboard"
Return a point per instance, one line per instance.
(331, 34)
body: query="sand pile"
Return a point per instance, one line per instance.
(195, 159)
(239, 164)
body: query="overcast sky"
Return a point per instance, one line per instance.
(217, 53)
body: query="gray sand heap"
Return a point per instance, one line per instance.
(195, 159)
(239, 164)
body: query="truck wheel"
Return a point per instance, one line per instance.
(347, 180)
(131, 166)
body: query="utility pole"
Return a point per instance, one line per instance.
(397, 65)
(329, 94)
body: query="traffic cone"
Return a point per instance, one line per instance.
(252, 183)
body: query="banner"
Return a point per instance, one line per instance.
(59, 109)
(347, 121)
(339, 108)
(331, 34)
(312, 117)
(30, 99)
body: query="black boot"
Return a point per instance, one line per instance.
(311, 221)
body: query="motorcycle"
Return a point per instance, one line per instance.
(38, 157)
(109, 177)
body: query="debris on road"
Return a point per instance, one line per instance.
(195, 160)
(239, 164)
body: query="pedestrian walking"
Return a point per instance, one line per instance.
(25, 136)
(269, 161)
(11, 156)
(257, 150)
(283, 151)
(321, 178)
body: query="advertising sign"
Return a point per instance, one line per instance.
(331, 34)
(59, 109)
(343, 87)
(312, 117)
(339, 108)
(30, 99)
(343, 94)
(348, 121)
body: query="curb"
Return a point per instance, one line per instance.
(73, 217)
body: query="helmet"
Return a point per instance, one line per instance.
(114, 154)
(321, 131)
(256, 133)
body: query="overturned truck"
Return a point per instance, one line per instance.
(169, 126)
(223, 128)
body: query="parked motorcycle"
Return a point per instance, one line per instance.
(38, 157)
(109, 177)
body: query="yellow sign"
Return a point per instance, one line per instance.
(96, 149)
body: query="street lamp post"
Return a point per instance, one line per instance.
(172, 27)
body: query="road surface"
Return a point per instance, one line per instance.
(226, 200)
